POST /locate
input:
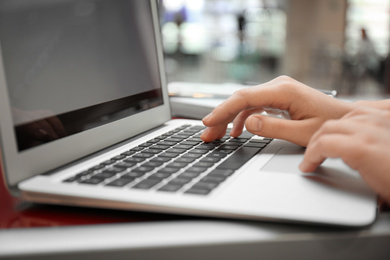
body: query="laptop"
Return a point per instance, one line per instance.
(85, 121)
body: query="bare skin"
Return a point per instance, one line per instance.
(361, 138)
(358, 133)
(308, 109)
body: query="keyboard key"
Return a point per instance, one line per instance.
(134, 160)
(189, 175)
(142, 155)
(255, 144)
(152, 164)
(146, 144)
(253, 140)
(113, 170)
(124, 165)
(228, 147)
(183, 146)
(92, 181)
(170, 170)
(217, 154)
(204, 164)
(97, 167)
(210, 159)
(176, 150)
(156, 140)
(83, 174)
(161, 159)
(225, 151)
(169, 155)
(197, 127)
(174, 140)
(196, 169)
(180, 180)
(186, 160)
(246, 134)
(146, 184)
(120, 182)
(132, 175)
(239, 158)
(104, 175)
(119, 157)
(160, 147)
(168, 143)
(137, 149)
(205, 185)
(182, 136)
(108, 162)
(191, 143)
(160, 175)
(152, 151)
(207, 146)
(195, 191)
(177, 164)
(171, 187)
(143, 169)
(72, 179)
(198, 151)
(238, 140)
(193, 140)
(192, 155)
(213, 179)
(220, 173)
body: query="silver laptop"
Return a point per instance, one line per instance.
(85, 120)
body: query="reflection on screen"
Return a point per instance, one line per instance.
(72, 65)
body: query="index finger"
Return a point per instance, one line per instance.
(268, 94)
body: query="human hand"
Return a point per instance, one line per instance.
(308, 109)
(361, 139)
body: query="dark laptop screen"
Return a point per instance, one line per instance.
(72, 65)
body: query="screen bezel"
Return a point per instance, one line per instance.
(18, 166)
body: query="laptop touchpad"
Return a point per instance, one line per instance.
(286, 160)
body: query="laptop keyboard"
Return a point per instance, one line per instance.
(177, 161)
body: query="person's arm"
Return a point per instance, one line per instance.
(308, 109)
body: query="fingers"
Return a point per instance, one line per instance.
(296, 131)
(304, 106)
(213, 133)
(275, 93)
(336, 138)
(244, 103)
(239, 121)
(333, 127)
(327, 146)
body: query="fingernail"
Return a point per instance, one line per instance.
(254, 123)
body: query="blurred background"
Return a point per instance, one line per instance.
(326, 44)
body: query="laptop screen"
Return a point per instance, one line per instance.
(73, 65)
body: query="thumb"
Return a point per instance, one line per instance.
(291, 130)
